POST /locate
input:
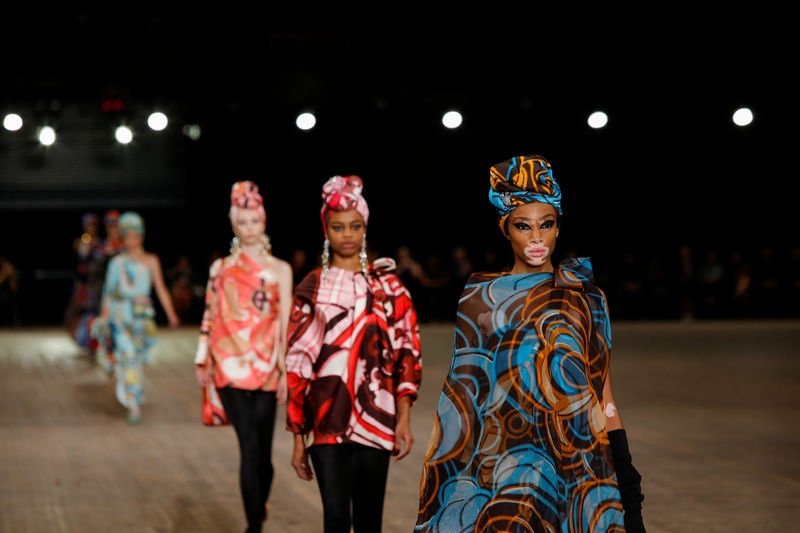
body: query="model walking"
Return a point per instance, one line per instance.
(353, 367)
(126, 326)
(527, 435)
(243, 341)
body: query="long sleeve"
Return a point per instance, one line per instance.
(408, 363)
(305, 333)
(212, 295)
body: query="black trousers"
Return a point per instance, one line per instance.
(351, 473)
(252, 414)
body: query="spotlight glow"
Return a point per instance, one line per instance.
(192, 131)
(123, 134)
(47, 135)
(597, 120)
(306, 121)
(742, 117)
(452, 119)
(157, 121)
(12, 122)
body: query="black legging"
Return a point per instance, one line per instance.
(351, 473)
(252, 414)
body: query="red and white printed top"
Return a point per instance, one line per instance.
(242, 321)
(353, 351)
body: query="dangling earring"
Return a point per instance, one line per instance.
(266, 244)
(362, 255)
(235, 246)
(326, 257)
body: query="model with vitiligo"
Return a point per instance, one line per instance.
(527, 436)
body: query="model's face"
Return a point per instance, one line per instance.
(248, 226)
(532, 231)
(133, 240)
(345, 231)
(112, 231)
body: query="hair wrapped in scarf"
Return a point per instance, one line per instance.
(131, 220)
(342, 193)
(111, 217)
(522, 180)
(245, 195)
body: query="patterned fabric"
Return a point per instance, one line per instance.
(522, 180)
(353, 352)
(242, 318)
(341, 194)
(519, 441)
(130, 330)
(130, 220)
(245, 195)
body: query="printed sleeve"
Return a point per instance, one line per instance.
(600, 344)
(212, 294)
(408, 362)
(305, 334)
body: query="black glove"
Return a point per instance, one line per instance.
(629, 481)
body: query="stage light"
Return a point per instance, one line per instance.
(742, 117)
(47, 135)
(306, 121)
(597, 120)
(12, 122)
(192, 131)
(157, 121)
(452, 119)
(123, 134)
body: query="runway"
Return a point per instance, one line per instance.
(711, 411)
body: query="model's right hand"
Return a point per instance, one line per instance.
(300, 459)
(203, 375)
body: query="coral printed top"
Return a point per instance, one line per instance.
(241, 319)
(353, 352)
(519, 441)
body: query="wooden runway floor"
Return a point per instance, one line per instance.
(711, 411)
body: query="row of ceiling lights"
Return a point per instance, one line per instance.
(158, 121)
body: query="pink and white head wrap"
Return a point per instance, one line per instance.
(342, 193)
(244, 195)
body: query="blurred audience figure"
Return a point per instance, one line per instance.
(180, 279)
(766, 283)
(657, 293)
(413, 277)
(738, 286)
(441, 307)
(300, 265)
(628, 299)
(710, 286)
(9, 294)
(793, 282)
(686, 283)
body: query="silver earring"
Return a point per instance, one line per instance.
(362, 255)
(236, 247)
(326, 257)
(266, 244)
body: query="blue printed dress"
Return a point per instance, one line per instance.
(519, 441)
(130, 330)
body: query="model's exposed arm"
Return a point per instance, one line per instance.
(161, 290)
(613, 419)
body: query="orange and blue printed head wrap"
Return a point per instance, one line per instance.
(130, 220)
(245, 195)
(522, 180)
(342, 193)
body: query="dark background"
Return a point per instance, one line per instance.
(669, 170)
